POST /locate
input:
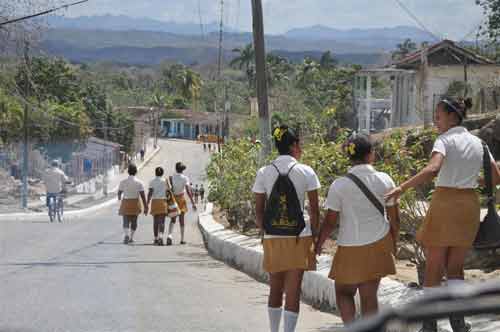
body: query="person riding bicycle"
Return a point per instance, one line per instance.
(54, 180)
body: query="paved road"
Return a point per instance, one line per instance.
(77, 276)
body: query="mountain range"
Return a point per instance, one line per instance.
(146, 41)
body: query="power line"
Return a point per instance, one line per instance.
(417, 20)
(45, 12)
(202, 27)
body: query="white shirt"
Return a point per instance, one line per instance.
(54, 180)
(159, 186)
(360, 223)
(179, 182)
(302, 176)
(131, 187)
(463, 159)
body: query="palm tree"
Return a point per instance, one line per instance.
(189, 83)
(245, 59)
(403, 49)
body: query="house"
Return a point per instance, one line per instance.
(419, 81)
(189, 124)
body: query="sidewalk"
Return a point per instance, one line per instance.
(79, 204)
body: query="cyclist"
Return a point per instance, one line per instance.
(54, 180)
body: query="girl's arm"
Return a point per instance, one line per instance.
(394, 220)
(326, 229)
(143, 197)
(260, 205)
(150, 195)
(425, 175)
(314, 212)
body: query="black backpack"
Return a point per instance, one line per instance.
(283, 214)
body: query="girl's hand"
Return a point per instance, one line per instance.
(394, 194)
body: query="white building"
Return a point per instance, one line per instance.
(421, 80)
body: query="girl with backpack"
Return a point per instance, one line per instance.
(280, 191)
(452, 221)
(368, 230)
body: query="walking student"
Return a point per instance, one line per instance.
(202, 193)
(180, 186)
(280, 191)
(368, 230)
(157, 197)
(452, 221)
(196, 194)
(129, 192)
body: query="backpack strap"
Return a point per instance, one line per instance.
(371, 197)
(487, 172)
(288, 173)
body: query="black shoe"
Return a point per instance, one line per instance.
(458, 324)
(155, 242)
(169, 241)
(131, 241)
(160, 242)
(429, 326)
(183, 242)
(126, 240)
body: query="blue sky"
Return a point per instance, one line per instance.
(449, 18)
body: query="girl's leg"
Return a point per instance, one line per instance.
(133, 226)
(126, 232)
(155, 226)
(170, 230)
(345, 301)
(161, 226)
(275, 301)
(293, 288)
(455, 273)
(368, 293)
(434, 269)
(181, 221)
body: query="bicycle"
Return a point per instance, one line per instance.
(56, 207)
(469, 300)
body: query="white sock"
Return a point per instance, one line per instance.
(160, 236)
(274, 318)
(182, 233)
(290, 320)
(132, 234)
(125, 231)
(170, 229)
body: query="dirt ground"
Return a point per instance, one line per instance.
(406, 271)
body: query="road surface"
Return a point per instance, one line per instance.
(78, 276)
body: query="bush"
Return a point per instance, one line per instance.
(401, 154)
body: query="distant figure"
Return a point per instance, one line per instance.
(204, 147)
(196, 194)
(142, 152)
(209, 147)
(202, 193)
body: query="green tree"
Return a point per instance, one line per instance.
(245, 60)
(327, 60)
(492, 12)
(403, 49)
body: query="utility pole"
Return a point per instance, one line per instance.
(219, 72)
(427, 113)
(260, 67)
(25, 125)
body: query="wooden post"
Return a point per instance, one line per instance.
(427, 113)
(260, 67)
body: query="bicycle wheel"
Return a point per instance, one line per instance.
(60, 210)
(52, 211)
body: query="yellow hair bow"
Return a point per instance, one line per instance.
(351, 149)
(278, 134)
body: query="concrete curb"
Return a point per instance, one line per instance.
(245, 254)
(75, 214)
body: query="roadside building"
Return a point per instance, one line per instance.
(419, 81)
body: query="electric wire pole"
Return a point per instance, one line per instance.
(25, 127)
(260, 67)
(219, 71)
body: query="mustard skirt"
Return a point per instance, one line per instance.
(158, 207)
(358, 264)
(452, 220)
(130, 207)
(181, 202)
(284, 254)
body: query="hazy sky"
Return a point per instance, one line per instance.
(450, 18)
